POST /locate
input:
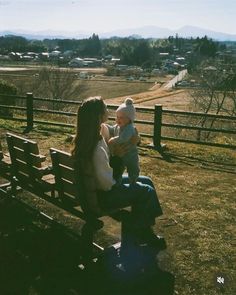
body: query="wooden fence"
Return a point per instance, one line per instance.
(32, 110)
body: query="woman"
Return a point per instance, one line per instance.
(102, 193)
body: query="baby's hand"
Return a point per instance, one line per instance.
(111, 140)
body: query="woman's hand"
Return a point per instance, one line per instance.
(120, 149)
(135, 139)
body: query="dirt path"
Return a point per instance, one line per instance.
(172, 99)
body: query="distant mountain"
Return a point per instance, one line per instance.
(40, 35)
(156, 32)
(145, 32)
(190, 31)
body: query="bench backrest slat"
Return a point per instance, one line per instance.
(25, 158)
(68, 173)
(23, 149)
(69, 188)
(20, 142)
(66, 179)
(34, 159)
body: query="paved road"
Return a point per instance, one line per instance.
(176, 79)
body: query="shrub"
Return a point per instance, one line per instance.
(7, 89)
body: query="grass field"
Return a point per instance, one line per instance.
(196, 188)
(107, 87)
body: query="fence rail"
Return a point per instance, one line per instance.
(29, 113)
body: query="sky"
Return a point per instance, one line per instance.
(107, 15)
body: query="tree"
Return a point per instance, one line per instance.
(13, 43)
(142, 53)
(206, 47)
(36, 46)
(7, 89)
(111, 46)
(217, 93)
(56, 84)
(90, 47)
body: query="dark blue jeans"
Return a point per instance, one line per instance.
(142, 198)
(142, 179)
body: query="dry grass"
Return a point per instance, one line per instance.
(108, 87)
(197, 190)
(196, 187)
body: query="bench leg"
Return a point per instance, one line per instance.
(87, 244)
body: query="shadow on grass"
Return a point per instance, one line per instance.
(39, 259)
(203, 162)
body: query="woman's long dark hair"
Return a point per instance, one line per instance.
(89, 118)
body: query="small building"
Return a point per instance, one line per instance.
(76, 62)
(15, 55)
(164, 55)
(88, 62)
(92, 62)
(180, 60)
(44, 55)
(54, 54)
(27, 57)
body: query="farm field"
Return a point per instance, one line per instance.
(196, 187)
(107, 87)
(112, 89)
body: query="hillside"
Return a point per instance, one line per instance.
(196, 187)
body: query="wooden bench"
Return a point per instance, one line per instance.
(27, 170)
(29, 173)
(66, 181)
(71, 195)
(29, 178)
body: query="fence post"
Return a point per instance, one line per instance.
(157, 127)
(29, 112)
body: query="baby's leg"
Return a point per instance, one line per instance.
(132, 169)
(118, 168)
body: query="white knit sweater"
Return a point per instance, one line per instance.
(102, 168)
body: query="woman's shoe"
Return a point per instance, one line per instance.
(156, 241)
(153, 240)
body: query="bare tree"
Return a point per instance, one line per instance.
(57, 84)
(50, 82)
(216, 94)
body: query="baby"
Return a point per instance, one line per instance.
(121, 133)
